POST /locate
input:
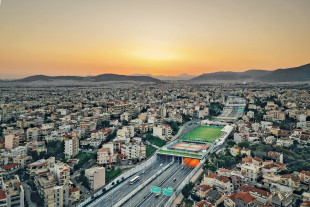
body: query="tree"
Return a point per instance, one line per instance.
(195, 197)
(231, 143)
(34, 155)
(213, 168)
(244, 144)
(125, 123)
(174, 127)
(85, 182)
(186, 191)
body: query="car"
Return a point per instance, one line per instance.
(143, 172)
(161, 164)
(174, 179)
(156, 195)
(182, 168)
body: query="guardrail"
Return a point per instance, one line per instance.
(121, 202)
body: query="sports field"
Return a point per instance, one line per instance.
(204, 134)
(189, 147)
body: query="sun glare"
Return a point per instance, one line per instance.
(154, 54)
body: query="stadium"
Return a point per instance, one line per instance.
(197, 142)
(204, 134)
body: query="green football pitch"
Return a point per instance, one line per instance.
(204, 134)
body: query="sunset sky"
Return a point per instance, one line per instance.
(159, 37)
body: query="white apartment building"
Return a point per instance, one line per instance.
(62, 173)
(251, 172)
(32, 134)
(133, 150)
(126, 131)
(71, 147)
(162, 131)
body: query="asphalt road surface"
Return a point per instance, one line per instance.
(180, 174)
(136, 199)
(123, 189)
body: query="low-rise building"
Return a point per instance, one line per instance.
(251, 172)
(221, 183)
(10, 169)
(134, 150)
(245, 199)
(246, 151)
(23, 160)
(262, 196)
(74, 194)
(235, 150)
(106, 154)
(290, 181)
(305, 176)
(282, 196)
(162, 131)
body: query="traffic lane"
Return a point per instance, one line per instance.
(119, 192)
(115, 194)
(180, 174)
(153, 201)
(174, 186)
(124, 188)
(146, 190)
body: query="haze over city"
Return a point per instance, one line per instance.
(76, 37)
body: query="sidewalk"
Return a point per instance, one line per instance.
(179, 199)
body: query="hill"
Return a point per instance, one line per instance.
(98, 78)
(301, 73)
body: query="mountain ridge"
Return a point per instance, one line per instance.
(300, 73)
(98, 78)
(183, 76)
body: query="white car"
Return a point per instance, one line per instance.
(161, 164)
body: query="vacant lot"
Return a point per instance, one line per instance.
(204, 134)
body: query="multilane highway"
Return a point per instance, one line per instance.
(123, 189)
(151, 201)
(174, 171)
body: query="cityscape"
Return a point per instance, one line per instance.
(100, 109)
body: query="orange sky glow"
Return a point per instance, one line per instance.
(158, 37)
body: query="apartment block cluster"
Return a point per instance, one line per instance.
(286, 105)
(253, 182)
(52, 181)
(269, 133)
(111, 122)
(106, 120)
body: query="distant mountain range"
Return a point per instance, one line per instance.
(183, 76)
(301, 73)
(98, 78)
